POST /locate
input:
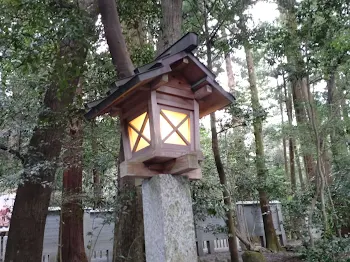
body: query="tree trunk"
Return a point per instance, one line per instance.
(97, 186)
(72, 214)
(291, 140)
(232, 240)
(337, 132)
(25, 241)
(226, 194)
(170, 24)
(297, 80)
(115, 39)
(128, 231)
(272, 242)
(284, 143)
(300, 172)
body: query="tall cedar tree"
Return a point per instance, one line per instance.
(272, 241)
(71, 240)
(128, 231)
(232, 240)
(297, 80)
(25, 240)
(129, 226)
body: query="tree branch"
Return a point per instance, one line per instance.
(13, 152)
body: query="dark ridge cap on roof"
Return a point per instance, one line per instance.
(187, 43)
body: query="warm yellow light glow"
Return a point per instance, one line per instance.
(132, 136)
(172, 124)
(165, 127)
(142, 144)
(174, 117)
(175, 139)
(139, 131)
(185, 130)
(138, 121)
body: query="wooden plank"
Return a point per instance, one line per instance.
(159, 81)
(177, 80)
(183, 164)
(180, 65)
(196, 128)
(195, 174)
(154, 121)
(203, 92)
(135, 169)
(126, 145)
(173, 101)
(184, 93)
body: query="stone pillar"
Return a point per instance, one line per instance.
(168, 219)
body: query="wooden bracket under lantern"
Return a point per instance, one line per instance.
(159, 109)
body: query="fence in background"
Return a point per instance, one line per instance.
(210, 234)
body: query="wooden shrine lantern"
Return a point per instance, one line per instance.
(159, 109)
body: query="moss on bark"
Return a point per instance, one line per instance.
(252, 256)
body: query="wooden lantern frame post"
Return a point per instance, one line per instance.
(159, 109)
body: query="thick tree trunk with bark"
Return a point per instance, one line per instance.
(71, 246)
(115, 39)
(128, 231)
(96, 177)
(298, 84)
(337, 132)
(170, 24)
(28, 220)
(272, 242)
(291, 140)
(232, 240)
(284, 142)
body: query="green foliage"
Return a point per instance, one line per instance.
(328, 250)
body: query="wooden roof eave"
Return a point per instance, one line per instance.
(105, 105)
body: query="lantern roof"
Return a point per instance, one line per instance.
(177, 58)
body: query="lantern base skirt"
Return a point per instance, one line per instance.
(168, 219)
(186, 165)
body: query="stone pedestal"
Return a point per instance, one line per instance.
(168, 219)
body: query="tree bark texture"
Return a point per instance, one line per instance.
(272, 242)
(291, 140)
(337, 126)
(170, 24)
(115, 39)
(72, 214)
(97, 185)
(284, 142)
(25, 240)
(128, 231)
(232, 240)
(297, 79)
(28, 220)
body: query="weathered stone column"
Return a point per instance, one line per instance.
(168, 219)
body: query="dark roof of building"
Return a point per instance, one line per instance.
(196, 73)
